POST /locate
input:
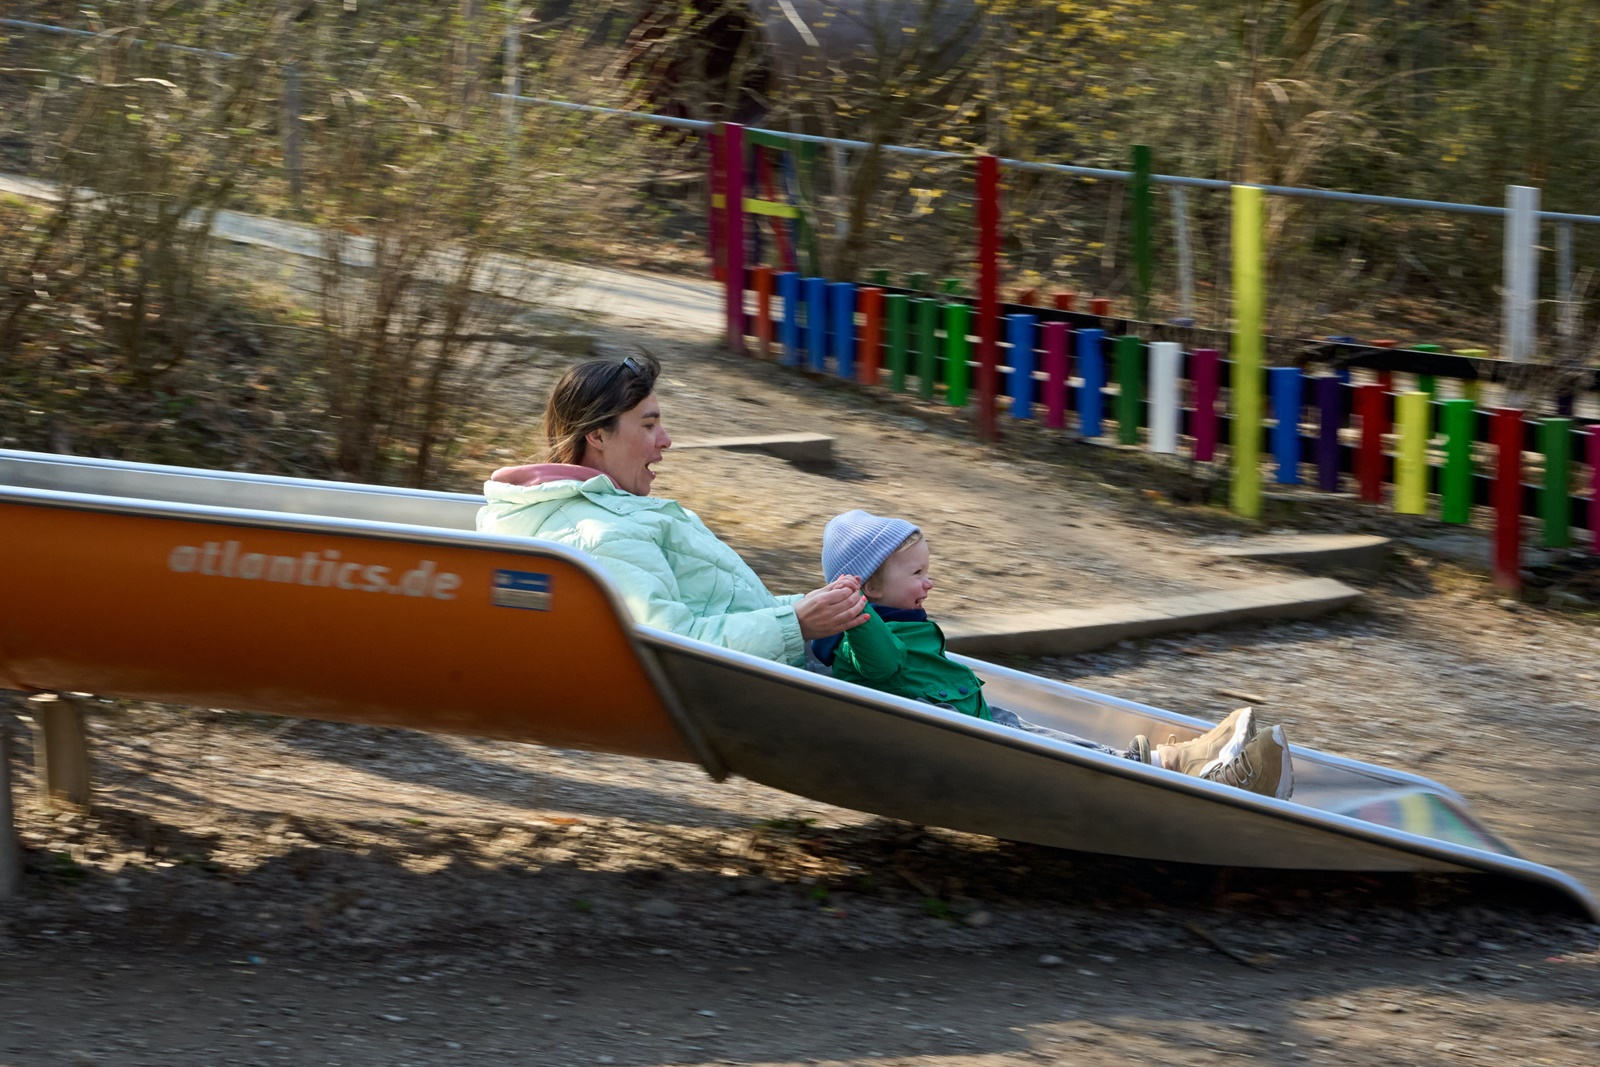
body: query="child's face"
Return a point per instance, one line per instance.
(903, 581)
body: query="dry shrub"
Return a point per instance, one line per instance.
(114, 336)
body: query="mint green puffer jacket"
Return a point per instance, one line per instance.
(672, 572)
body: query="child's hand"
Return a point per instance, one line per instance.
(847, 581)
(833, 609)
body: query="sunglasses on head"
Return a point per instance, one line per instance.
(628, 364)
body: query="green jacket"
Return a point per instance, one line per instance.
(908, 660)
(672, 572)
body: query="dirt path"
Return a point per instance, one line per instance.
(1007, 535)
(261, 891)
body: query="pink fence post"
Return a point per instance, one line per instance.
(1055, 369)
(716, 204)
(733, 231)
(1594, 489)
(1207, 366)
(988, 293)
(1508, 434)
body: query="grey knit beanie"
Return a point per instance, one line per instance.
(858, 543)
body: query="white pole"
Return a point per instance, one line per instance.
(293, 161)
(512, 79)
(1521, 272)
(1164, 396)
(839, 164)
(1180, 231)
(1567, 315)
(10, 854)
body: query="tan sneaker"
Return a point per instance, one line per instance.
(1220, 744)
(1262, 766)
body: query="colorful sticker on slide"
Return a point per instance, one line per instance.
(527, 590)
(1429, 815)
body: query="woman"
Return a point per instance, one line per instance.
(604, 431)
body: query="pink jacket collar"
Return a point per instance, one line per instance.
(540, 473)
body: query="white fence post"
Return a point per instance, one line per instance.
(1164, 396)
(1521, 279)
(512, 79)
(1180, 233)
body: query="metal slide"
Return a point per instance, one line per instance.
(384, 606)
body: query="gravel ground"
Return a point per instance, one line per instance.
(251, 890)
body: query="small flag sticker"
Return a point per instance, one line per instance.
(527, 590)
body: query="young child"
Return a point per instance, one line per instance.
(900, 650)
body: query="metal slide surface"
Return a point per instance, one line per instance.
(110, 588)
(327, 618)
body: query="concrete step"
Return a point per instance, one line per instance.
(1072, 630)
(794, 447)
(1320, 553)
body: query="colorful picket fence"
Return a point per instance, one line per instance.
(1340, 426)
(1345, 420)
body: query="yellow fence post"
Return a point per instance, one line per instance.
(1249, 301)
(1411, 470)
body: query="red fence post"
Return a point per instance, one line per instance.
(1056, 366)
(988, 292)
(1064, 301)
(869, 352)
(1370, 401)
(762, 277)
(733, 230)
(1508, 500)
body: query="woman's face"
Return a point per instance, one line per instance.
(626, 453)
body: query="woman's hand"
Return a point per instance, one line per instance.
(833, 609)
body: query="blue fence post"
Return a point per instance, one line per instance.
(1020, 336)
(817, 322)
(1288, 396)
(1330, 417)
(789, 328)
(1342, 372)
(843, 299)
(1092, 369)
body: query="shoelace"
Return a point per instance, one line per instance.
(1236, 772)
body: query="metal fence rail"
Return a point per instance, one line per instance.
(1521, 217)
(1105, 173)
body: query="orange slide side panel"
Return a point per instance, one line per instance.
(324, 625)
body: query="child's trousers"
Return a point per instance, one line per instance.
(1010, 718)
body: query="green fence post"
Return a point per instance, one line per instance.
(899, 328)
(1143, 209)
(1429, 383)
(956, 318)
(880, 277)
(1130, 388)
(917, 282)
(927, 345)
(1555, 502)
(1455, 488)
